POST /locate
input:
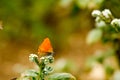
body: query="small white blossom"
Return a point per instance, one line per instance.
(106, 13)
(51, 59)
(115, 22)
(32, 57)
(46, 61)
(96, 13)
(42, 58)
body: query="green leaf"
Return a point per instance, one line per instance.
(94, 36)
(61, 76)
(31, 73)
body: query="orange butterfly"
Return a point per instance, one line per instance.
(45, 47)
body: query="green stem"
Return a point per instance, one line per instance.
(37, 62)
(40, 65)
(41, 73)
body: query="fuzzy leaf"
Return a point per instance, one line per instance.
(30, 73)
(61, 76)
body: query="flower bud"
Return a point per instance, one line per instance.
(42, 58)
(46, 61)
(32, 57)
(106, 13)
(96, 13)
(115, 22)
(45, 72)
(51, 59)
(48, 69)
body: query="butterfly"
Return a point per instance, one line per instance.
(45, 47)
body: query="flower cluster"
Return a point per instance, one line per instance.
(107, 27)
(104, 18)
(44, 68)
(104, 15)
(44, 61)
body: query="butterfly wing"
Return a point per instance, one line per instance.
(45, 47)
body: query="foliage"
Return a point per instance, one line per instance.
(110, 32)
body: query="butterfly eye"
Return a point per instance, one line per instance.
(45, 47)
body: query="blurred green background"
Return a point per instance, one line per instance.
(66, 22)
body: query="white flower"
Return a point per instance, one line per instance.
(96, 13)
(32, 57)
(115, 22)
(46, 61)
(106, 13)
(42, 58)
